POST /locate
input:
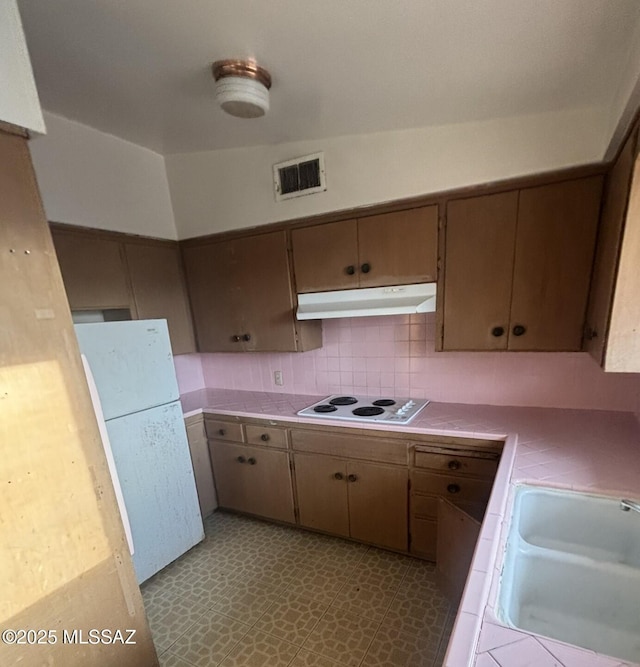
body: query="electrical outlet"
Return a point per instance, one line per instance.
(277, 378)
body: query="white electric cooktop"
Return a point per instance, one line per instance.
(365, 409)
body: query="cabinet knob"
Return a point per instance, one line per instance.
(265, 437)
(338, 475)
(453, 488)
(454, 465)
(251, 461)
(236, 339)
(350, 270)
(518, 330)
(365, 268)
(497, 331)
(590, 333)
(241, 459)
(246, 338)
(221, 431)
(352, 478)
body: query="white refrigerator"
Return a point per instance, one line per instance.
(132, 365)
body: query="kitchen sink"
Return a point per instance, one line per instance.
(572, 570)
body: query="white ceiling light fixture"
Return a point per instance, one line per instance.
(242, 87)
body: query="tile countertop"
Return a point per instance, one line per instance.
(579, 449)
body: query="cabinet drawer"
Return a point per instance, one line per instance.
(424, 534)
(269, 436)
(222, 430)
(424, 505)
(350, 446)
(466, 465)
(450, 486)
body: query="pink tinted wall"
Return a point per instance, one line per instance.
(189, 372)
(396, 355)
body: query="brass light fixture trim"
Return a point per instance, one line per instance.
(248, 69)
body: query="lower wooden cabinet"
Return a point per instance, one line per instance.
(201, 461)
(462, 478)
(366, 501)
(255, 480)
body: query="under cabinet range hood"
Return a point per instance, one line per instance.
(394, 300)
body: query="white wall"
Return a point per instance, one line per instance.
(227, 189)
(93, 179)
(625, 102)
(19, 102)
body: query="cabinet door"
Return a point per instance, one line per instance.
(321, 485)
(557, 227)
(378, 498)
(158, 287)
(605, 265)
(623, 344)
(265, 299)
(201, 461)
(93, 271)
(398, 248)
(480, 241)
(456, 541)
(323, 255)
(253, 480)
(212, 279)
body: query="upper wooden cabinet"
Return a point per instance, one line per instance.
(612, 318)
(157, 281)
(398, 248)
(104, 271)
(242, 297)
(94, 271)
(518, 267)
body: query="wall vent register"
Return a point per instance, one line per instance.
(364, 408)
(301, 176)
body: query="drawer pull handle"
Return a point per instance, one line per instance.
(338, 475)
(497, 332)
(454, 465)
(453, 488)
(352, 478)
(264, 437)
(246, 337)
(241, 459)
(350, 270)
(236, 339)
(251, 461)
(365, 268)
(519, 330)
(221, 431)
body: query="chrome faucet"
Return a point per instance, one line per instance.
(626, 505)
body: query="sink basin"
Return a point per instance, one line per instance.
(572, 571)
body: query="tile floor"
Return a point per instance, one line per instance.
(259, 594)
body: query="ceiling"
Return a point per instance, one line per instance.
(140, 69)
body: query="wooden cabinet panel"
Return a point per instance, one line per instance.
(352, 446)
(214, 288)
(480, 243)
(253, 480)
(451, 486)
(400, 247)
(614, 208)
(470, 465)
(322, 255)
(266, 298)
(94, 272)
(424, 533)
(201, 464)
(456, 541)
(321, 485)
(223, 430)
(555, 243)
(267, 436)
(242, 297)
(623, 344)
(378, 498)
(518, 267)
(159, 291)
